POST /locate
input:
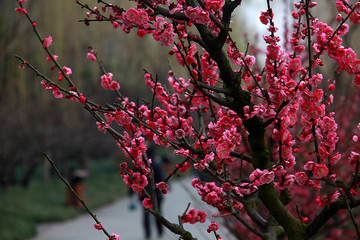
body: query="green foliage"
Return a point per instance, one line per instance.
(21, 209)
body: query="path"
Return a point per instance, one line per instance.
(119, 219)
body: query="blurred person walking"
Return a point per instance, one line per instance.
(157, 164)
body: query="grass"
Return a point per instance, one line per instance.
(21, 209)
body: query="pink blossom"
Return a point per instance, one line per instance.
(356, 80)
(223, 150)
(21, 10)
(56, 92)
(180, 133)
(122, 118)
(212, 198)
(162, 186)
(142, 19)
(272, 52)
(47, 42)
(114, 237)
(289, 181)
(91, 57)
(141, 33)
(227, 187)
(82, 99)
(131, 15)
(320, 170)
(114, 85)
(49, 59)
(147, 203)
(354, 158)
(301, 178)
(315, 80)
(197, 15)
(255, 176)
(264, 17)
(309, 165)
(166, 38)
(115, 25)
(185, 166)
(102, 126)
(107, 82)
(67, 70)
(98, 226)
(138, 17)
(182, 152)
(250, 60)
(343, 29)
(46, 85)
(266, 177)
(194, 216)
(213, 227)
(295, 64)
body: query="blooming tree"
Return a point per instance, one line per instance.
(279, 164)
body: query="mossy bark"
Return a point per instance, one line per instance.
(293, 227)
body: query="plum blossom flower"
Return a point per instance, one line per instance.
(267, 177)
(197, 15)
(56, 92)
(98, 226)
(315, 80)
(194, 216)
(223, 150)
(354, 158)
(47, 42)
(162, 186)
(213, 227)
(301, 178)
(49, 59)
(107, 82)
(320, 170)
(295, 64)
(102, 126)
(215, 5)
(138, 17)
(67, 70)
(21, 11)
(164, 32)
(91, 57)
(114, 237)
(309, 165)
(147, 203)
(261, 177)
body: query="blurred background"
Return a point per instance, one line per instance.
(33, 122)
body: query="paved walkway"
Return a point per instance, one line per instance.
(119, 219)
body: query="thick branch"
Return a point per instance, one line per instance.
(293, 227)
(165, 12)
(250, 208)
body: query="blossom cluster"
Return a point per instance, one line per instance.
(193, 216)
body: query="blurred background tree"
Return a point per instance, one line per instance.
(65, 131)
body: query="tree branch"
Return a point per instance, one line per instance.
(326, 213)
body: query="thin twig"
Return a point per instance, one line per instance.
(351, 215)
(75, 194)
